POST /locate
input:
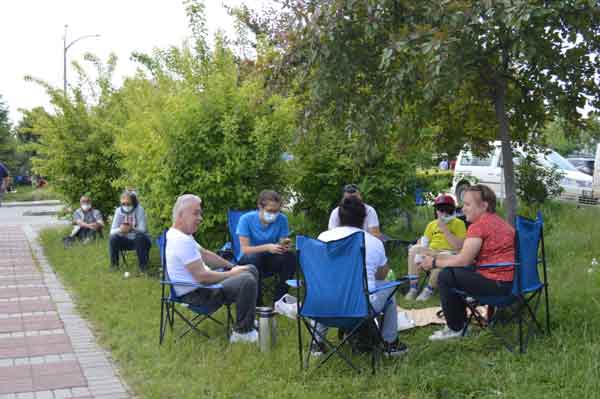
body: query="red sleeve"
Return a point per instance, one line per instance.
(477, 230)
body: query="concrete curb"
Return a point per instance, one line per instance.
(31, 203)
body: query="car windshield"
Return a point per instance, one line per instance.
(555, 159)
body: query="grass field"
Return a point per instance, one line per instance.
(125, 315)
(29, 193)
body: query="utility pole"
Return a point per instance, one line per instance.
(65, 48)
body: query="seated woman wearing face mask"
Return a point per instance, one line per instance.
(129, 231)
(264, 242)
(443, 235)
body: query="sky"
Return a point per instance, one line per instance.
(31, 38)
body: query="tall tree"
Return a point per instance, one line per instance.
(528, 60)
(7, 139)
(468, 71)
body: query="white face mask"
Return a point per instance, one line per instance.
(270, 216)
(86, 207)
(447, 218)
(127, 209)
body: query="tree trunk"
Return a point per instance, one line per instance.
(510, 201)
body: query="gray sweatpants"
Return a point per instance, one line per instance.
(241, 290)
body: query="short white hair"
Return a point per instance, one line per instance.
(183, 201)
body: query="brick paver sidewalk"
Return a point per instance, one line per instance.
(46, 349)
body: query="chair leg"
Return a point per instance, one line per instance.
(162, 322)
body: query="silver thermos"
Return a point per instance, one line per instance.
(267, 329)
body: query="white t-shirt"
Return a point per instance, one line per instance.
(371, 220)
(181, 250)
(374, 250)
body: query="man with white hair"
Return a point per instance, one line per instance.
(188, 262)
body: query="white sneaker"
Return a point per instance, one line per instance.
(250, 337)
(425, 295)
(445, 334)
(411, 294)
(287, 306)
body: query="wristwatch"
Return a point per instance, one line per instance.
(433, 266)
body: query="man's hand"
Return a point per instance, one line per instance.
(276, 249)
(125, 228)
(238, 270)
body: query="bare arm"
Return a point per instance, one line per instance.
(382, 272)
(375, 231)
(465, 257)
(213, 260)
(204, 275)
(248, 249)
(453, 240)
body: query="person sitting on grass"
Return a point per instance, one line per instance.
(188, 262)
(88, 222)
(129, 232)
(264, 242)
(371, 223)
(490, 240)
(443, 235)
(352, 213)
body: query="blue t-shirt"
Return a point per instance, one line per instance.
(250, 226)
(3, 172)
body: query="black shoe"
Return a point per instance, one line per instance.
(68, 241)
(395, 348)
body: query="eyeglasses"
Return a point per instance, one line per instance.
(351, 188)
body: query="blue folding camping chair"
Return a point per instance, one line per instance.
(233, 218)
(522, 304)
(169, 300)
(336, 294)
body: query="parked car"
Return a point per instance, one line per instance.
(583, 164)
(470, 169)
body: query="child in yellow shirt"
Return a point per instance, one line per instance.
(445, 234)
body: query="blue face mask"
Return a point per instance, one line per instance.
(270, 217)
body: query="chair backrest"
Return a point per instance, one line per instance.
(233, 218)
(162, 247)
(335, 279)
(529, 236)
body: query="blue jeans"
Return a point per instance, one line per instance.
(268, 264)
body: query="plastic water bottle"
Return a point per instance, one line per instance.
(593, 265)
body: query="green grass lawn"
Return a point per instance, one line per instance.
(30, 193)
(125, 316)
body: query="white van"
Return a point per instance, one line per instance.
(487, 170)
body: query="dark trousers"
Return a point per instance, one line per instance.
(240, 289)
(84, 233)
(268, 264)
(471, 282)
(141, 244)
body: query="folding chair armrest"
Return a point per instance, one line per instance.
(390, 284)
(493, 265)
(294, 283)
(188, 284)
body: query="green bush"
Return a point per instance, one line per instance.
(76, 151)
(194, 125)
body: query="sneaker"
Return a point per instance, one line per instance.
(317, 348)
(445, 334)
(287, 306)
(411, 294)
(425, 294)
(249, 337)
(395, 349)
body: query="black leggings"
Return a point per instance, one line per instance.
(471, 282)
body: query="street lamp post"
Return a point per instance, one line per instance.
(65, 48)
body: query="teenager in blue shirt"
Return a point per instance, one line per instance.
(265, 244)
